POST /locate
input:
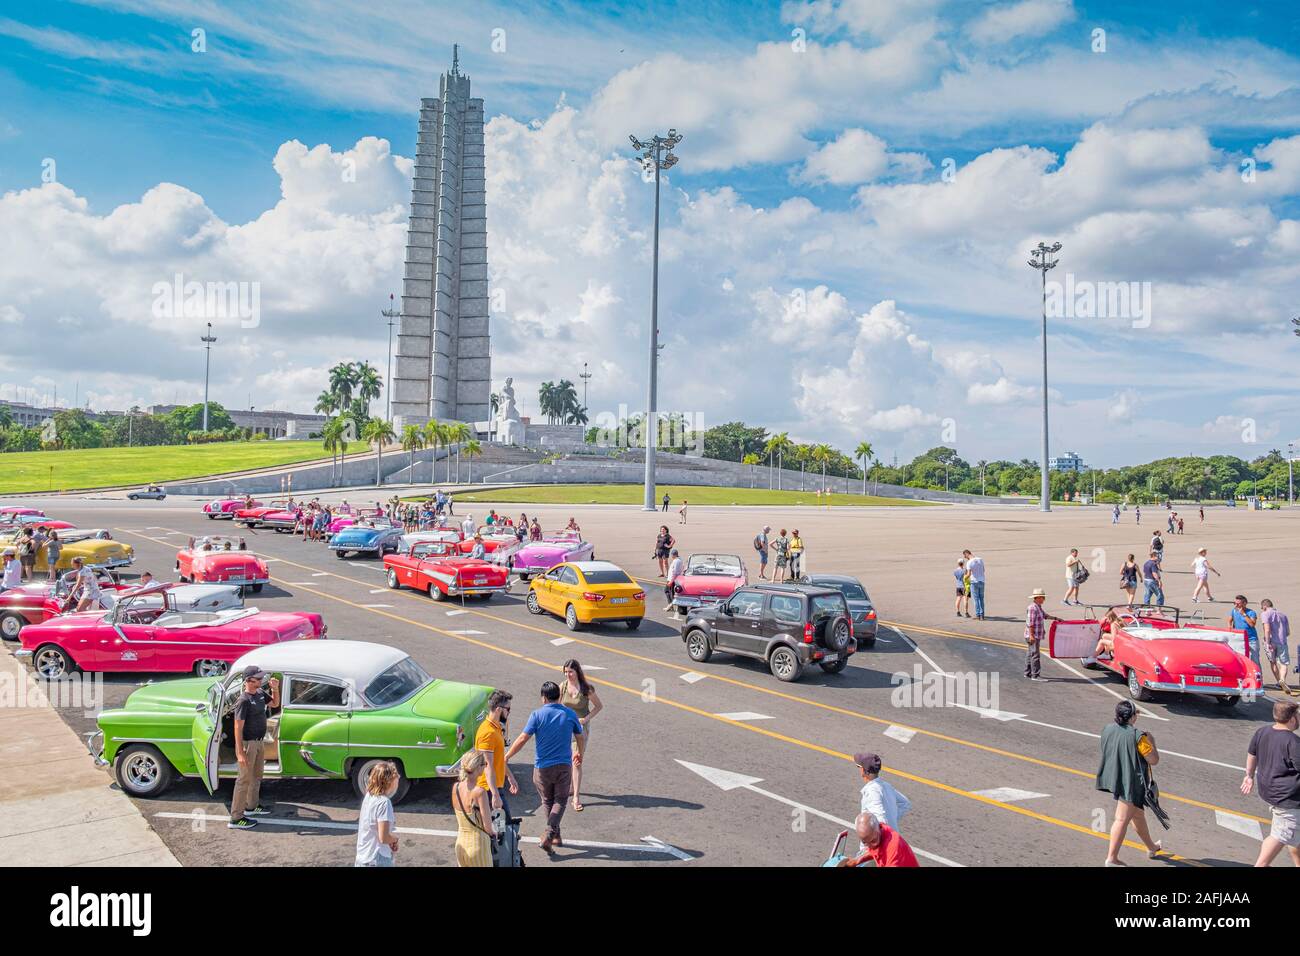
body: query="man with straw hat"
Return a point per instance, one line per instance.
(1034, 618)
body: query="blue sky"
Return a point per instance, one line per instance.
(808, 176)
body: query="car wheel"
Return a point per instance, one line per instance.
(835, 666)
(866, 642)
(434, 593)
(1228, 701)
(257, 589)
(361, 773)
(633, 624)
(531, 601)
(52, 663)
(697, 646)
(571, 618)
(784, 665)
(1135, 688)
(10, 625)
(134, 497)
(210, 668)
(211, 517)
(392, 579)
(142, 771)
(340, 555)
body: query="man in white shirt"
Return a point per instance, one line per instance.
(879, 797)
(467, 526)
(13, 570)
(674, 571)
(975, 568)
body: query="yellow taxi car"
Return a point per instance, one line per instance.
(588, 592)
(96, 546)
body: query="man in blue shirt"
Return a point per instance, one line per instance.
(556, 727)
(1242, 618)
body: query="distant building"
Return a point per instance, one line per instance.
(31, 416)
(1067, 462)
(271, 423)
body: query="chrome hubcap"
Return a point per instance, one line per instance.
(211, 668)
(141, 771)
(697, 645)
(10, 627)
(49, 664)
(784, 664)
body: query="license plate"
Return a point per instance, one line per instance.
(480, 580)
(618, 600)
(1203, 679)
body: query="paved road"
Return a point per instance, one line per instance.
(720, 762)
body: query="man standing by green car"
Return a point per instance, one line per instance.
(556, 727)
(250, 731)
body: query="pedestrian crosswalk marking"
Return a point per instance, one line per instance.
(468, 632)
(378, 590)
(743, 715)
(376, 605)
(454, 613)
(901, 734)
(561, 641)
(691, 677)
(1242, 825)
(1008, 794)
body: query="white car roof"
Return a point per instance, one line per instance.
(585, 566)
(198, 596)
(355, 661)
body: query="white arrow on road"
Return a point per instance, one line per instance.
(729, 780)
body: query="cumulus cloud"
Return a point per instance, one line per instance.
(1002, 392)
(1029, 18)
(858, 156)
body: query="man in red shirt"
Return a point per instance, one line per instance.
(883, 845)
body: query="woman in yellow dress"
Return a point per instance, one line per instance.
(473, 814)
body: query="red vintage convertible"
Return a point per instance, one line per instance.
(275, 514)
(221, 559)
(151, 629)
(1156, 651)
(39, 601)
(708, 579)
(226, 507)
(439, 568)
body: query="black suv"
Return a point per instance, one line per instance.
(786, 625)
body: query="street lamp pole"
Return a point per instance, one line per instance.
(1040, 258)
(390, 313)
(1290, 473)
(586, 377)
(207, 341)
(656, 153)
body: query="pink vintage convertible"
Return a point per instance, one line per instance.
(558, 547)
(149, 629)
(226, 507)
(17, 510)
(38, 601)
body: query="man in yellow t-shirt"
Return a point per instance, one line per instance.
(491, 740)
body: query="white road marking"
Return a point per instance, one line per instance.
(901, 734)
(1163, 752)
(454, 613)
(1008, 794)
(691, 677)
(1002, 715)
(1110, 690)
(727, 780)
(468, 632)
(378, 590)
(592, 667)
(1230, 821)
(924, 656)
(303, 584)
(649, 844)
(744, 715)
(561, 641)
(321, 574)
(376, 605)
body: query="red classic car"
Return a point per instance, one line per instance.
(41, 600)
(20, 510)
(226, 507)
(498, 544)
(708, 579)
(439, 568)
(252, 516)
(221, 559)
(1154, 651)
(154, 629)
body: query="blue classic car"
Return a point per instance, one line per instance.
(377, 536)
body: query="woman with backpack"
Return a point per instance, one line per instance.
(1128, 579)
(1127, 756)
(1075, 574)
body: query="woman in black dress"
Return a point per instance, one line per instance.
(663, 547)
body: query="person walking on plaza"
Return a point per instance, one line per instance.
(879, 797)
(1277, 632)
(250, 731)
(1035, 617)
(1137, 513)
(1075, 575)
(663, 548)
(53, 551)
(1157, 547)
(556, 727)
(1201, 567)
(13, 571)
(474, 829)
(975, 568)
(376, 841)
(1114, 515)
(761, 546)
(782, 548)
(1127, 756)
(490, 740)
(581, 698)
(881, 844)
(796, 555)
(1242, 618)
(1273, 768)
(681, 513)
(674, 571)
(1128, 579)
(1202, 514)
(665, 509)
(1151, 580)
(963, 586)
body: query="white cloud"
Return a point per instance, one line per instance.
(858, 156)
(1123, 407)
(1002, 392)
(1029, 18)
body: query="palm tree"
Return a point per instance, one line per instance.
(378, 432)
(342, 380)
(368, 383)
(327, 403)
(473, 448)
(433, 432)
(779, 444)
(412, 441)
(981, 465)
(863, 451)
(546, 399)
(457, 433)
(333, 437)
(821, 454)
(800, 454)
(751, 460)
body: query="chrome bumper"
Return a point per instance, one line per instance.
(1209, 690)
(453, 591)
(449, 771)
(22, 652)
(95, 745)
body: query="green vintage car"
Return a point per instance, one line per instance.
(344, 706)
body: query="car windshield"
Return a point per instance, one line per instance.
(612, 576)
(852, 590)
(727, 564)
(397, 683)
(429, 549)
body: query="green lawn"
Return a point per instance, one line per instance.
(106, 467)
(695, 494)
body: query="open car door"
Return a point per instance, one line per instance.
(205, 735)
(1073, 639)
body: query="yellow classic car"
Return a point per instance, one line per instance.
(96, 546)
(588, 592)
